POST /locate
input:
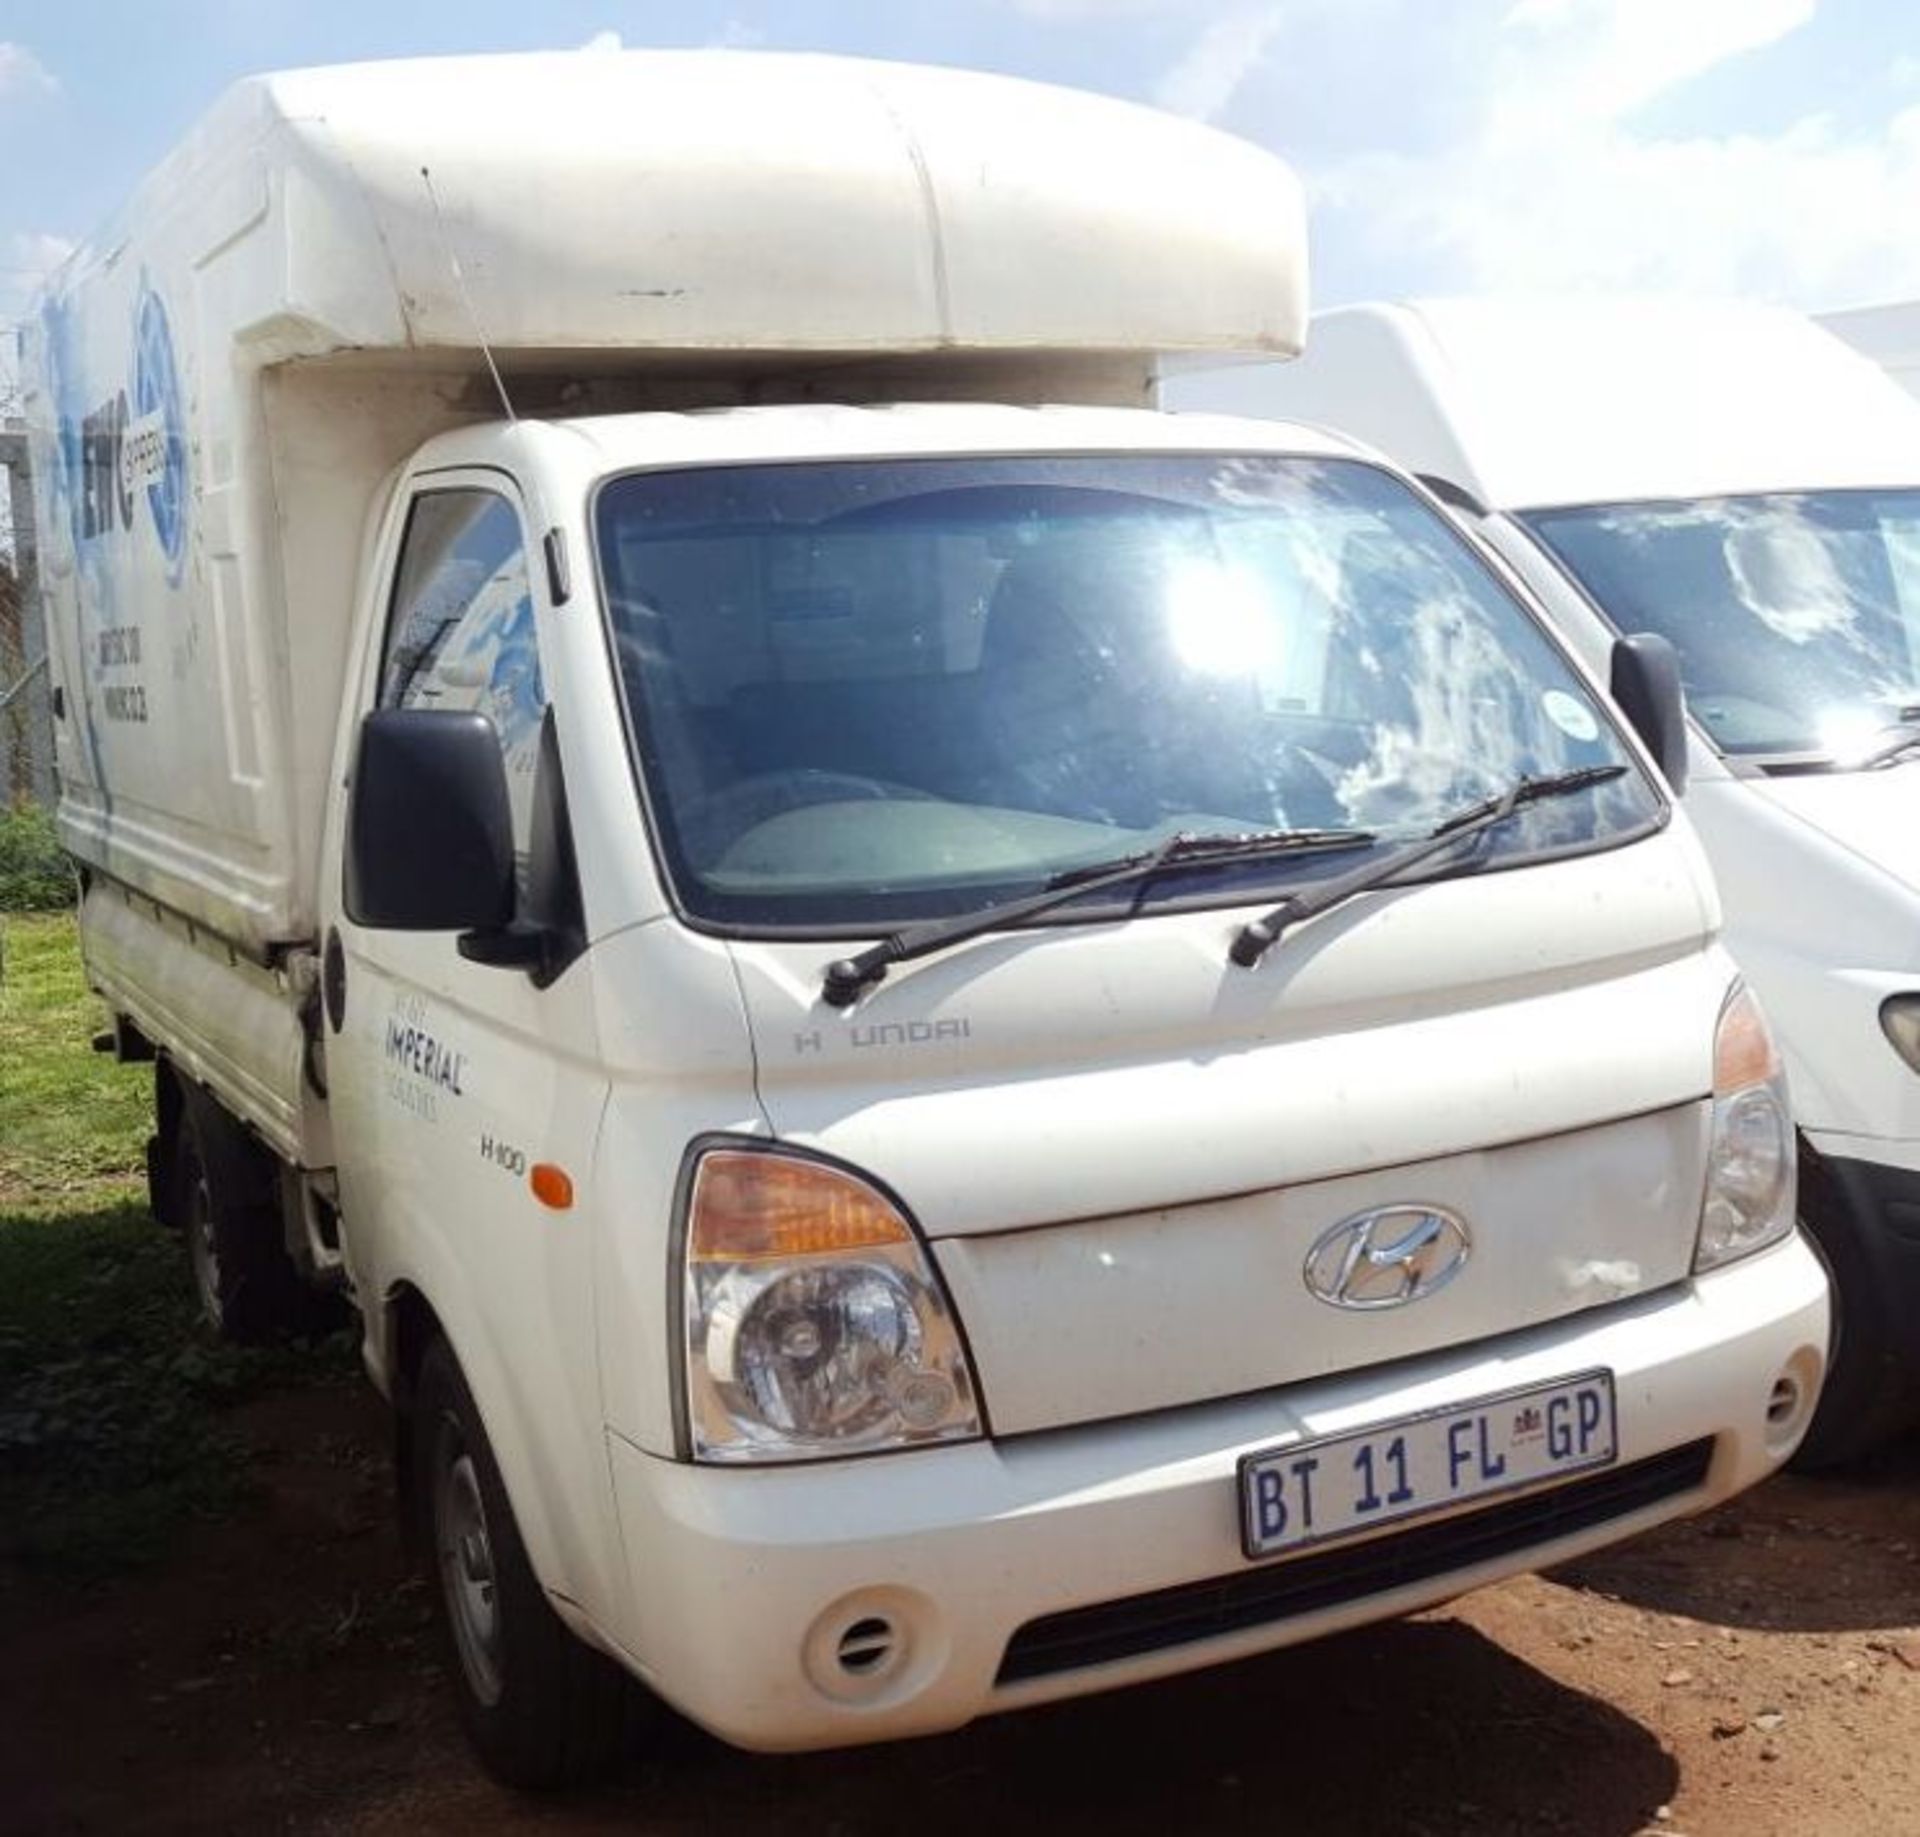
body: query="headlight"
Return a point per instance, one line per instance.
(1750, 1155)
(1900, 1022)
(815, 1324)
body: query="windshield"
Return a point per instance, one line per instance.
(865, 693)
(1797, 616)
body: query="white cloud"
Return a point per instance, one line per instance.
(735, 35)
(1549, 182)
(21, 73)
(1209, 75)
(1093, 9)
(1598, 59)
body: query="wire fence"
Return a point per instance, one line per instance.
(26, 693)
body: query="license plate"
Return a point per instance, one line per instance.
(1343, 1486)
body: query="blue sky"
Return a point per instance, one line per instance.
(1768, 147)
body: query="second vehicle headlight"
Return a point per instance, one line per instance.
(1900, 1022)
(815, 1323)
(1750, 1192)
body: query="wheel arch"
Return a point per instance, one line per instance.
(1872, 1386)
(408, 1327)
(415, 1314)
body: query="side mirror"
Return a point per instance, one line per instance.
(429, 827)
(1646, 685)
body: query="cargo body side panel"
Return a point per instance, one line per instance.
(200, 515)
(226, 1022)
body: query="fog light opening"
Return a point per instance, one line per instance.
(868, 1648)
(1790, 1402)
(1784, 1405)
(875, 1648)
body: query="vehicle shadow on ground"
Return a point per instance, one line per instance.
(1426, 1729)
(1822, 1553)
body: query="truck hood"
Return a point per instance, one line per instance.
(1875, 814)
(1183, 1131)
(1067, 1071)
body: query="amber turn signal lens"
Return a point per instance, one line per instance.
(751, 1208)
(1743, 1050)
(552, 1186)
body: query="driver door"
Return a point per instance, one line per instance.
(453, 1080)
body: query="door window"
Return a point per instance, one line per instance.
(460, 633)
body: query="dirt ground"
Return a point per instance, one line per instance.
(1754, 1672)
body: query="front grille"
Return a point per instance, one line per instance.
(1289, 1587)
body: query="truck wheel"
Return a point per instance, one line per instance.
(227, 1202)
(1869, 1394)
(541, 1708)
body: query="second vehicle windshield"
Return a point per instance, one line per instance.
(864, 693)
(1796, 615)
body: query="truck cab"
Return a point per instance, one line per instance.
(956, 1049)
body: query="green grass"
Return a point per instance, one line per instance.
(35, 874)
(112, 1396)
(72, 1121)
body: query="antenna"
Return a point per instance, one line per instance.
(466, 299)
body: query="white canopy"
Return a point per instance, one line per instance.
(729, 202)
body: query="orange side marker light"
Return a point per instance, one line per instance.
(552, 1186)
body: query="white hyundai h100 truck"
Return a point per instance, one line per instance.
(955, 1052)
(1736, 479)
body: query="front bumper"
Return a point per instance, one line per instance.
(816, 1606)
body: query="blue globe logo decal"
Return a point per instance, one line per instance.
(156, 391)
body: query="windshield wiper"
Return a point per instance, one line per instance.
(1260, 935)
(1890, 754)
(848, 976)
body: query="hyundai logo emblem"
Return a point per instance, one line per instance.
(1387, 1257)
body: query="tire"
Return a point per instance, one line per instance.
(1870, 1391)
(541, 1708)
(227, 1205)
